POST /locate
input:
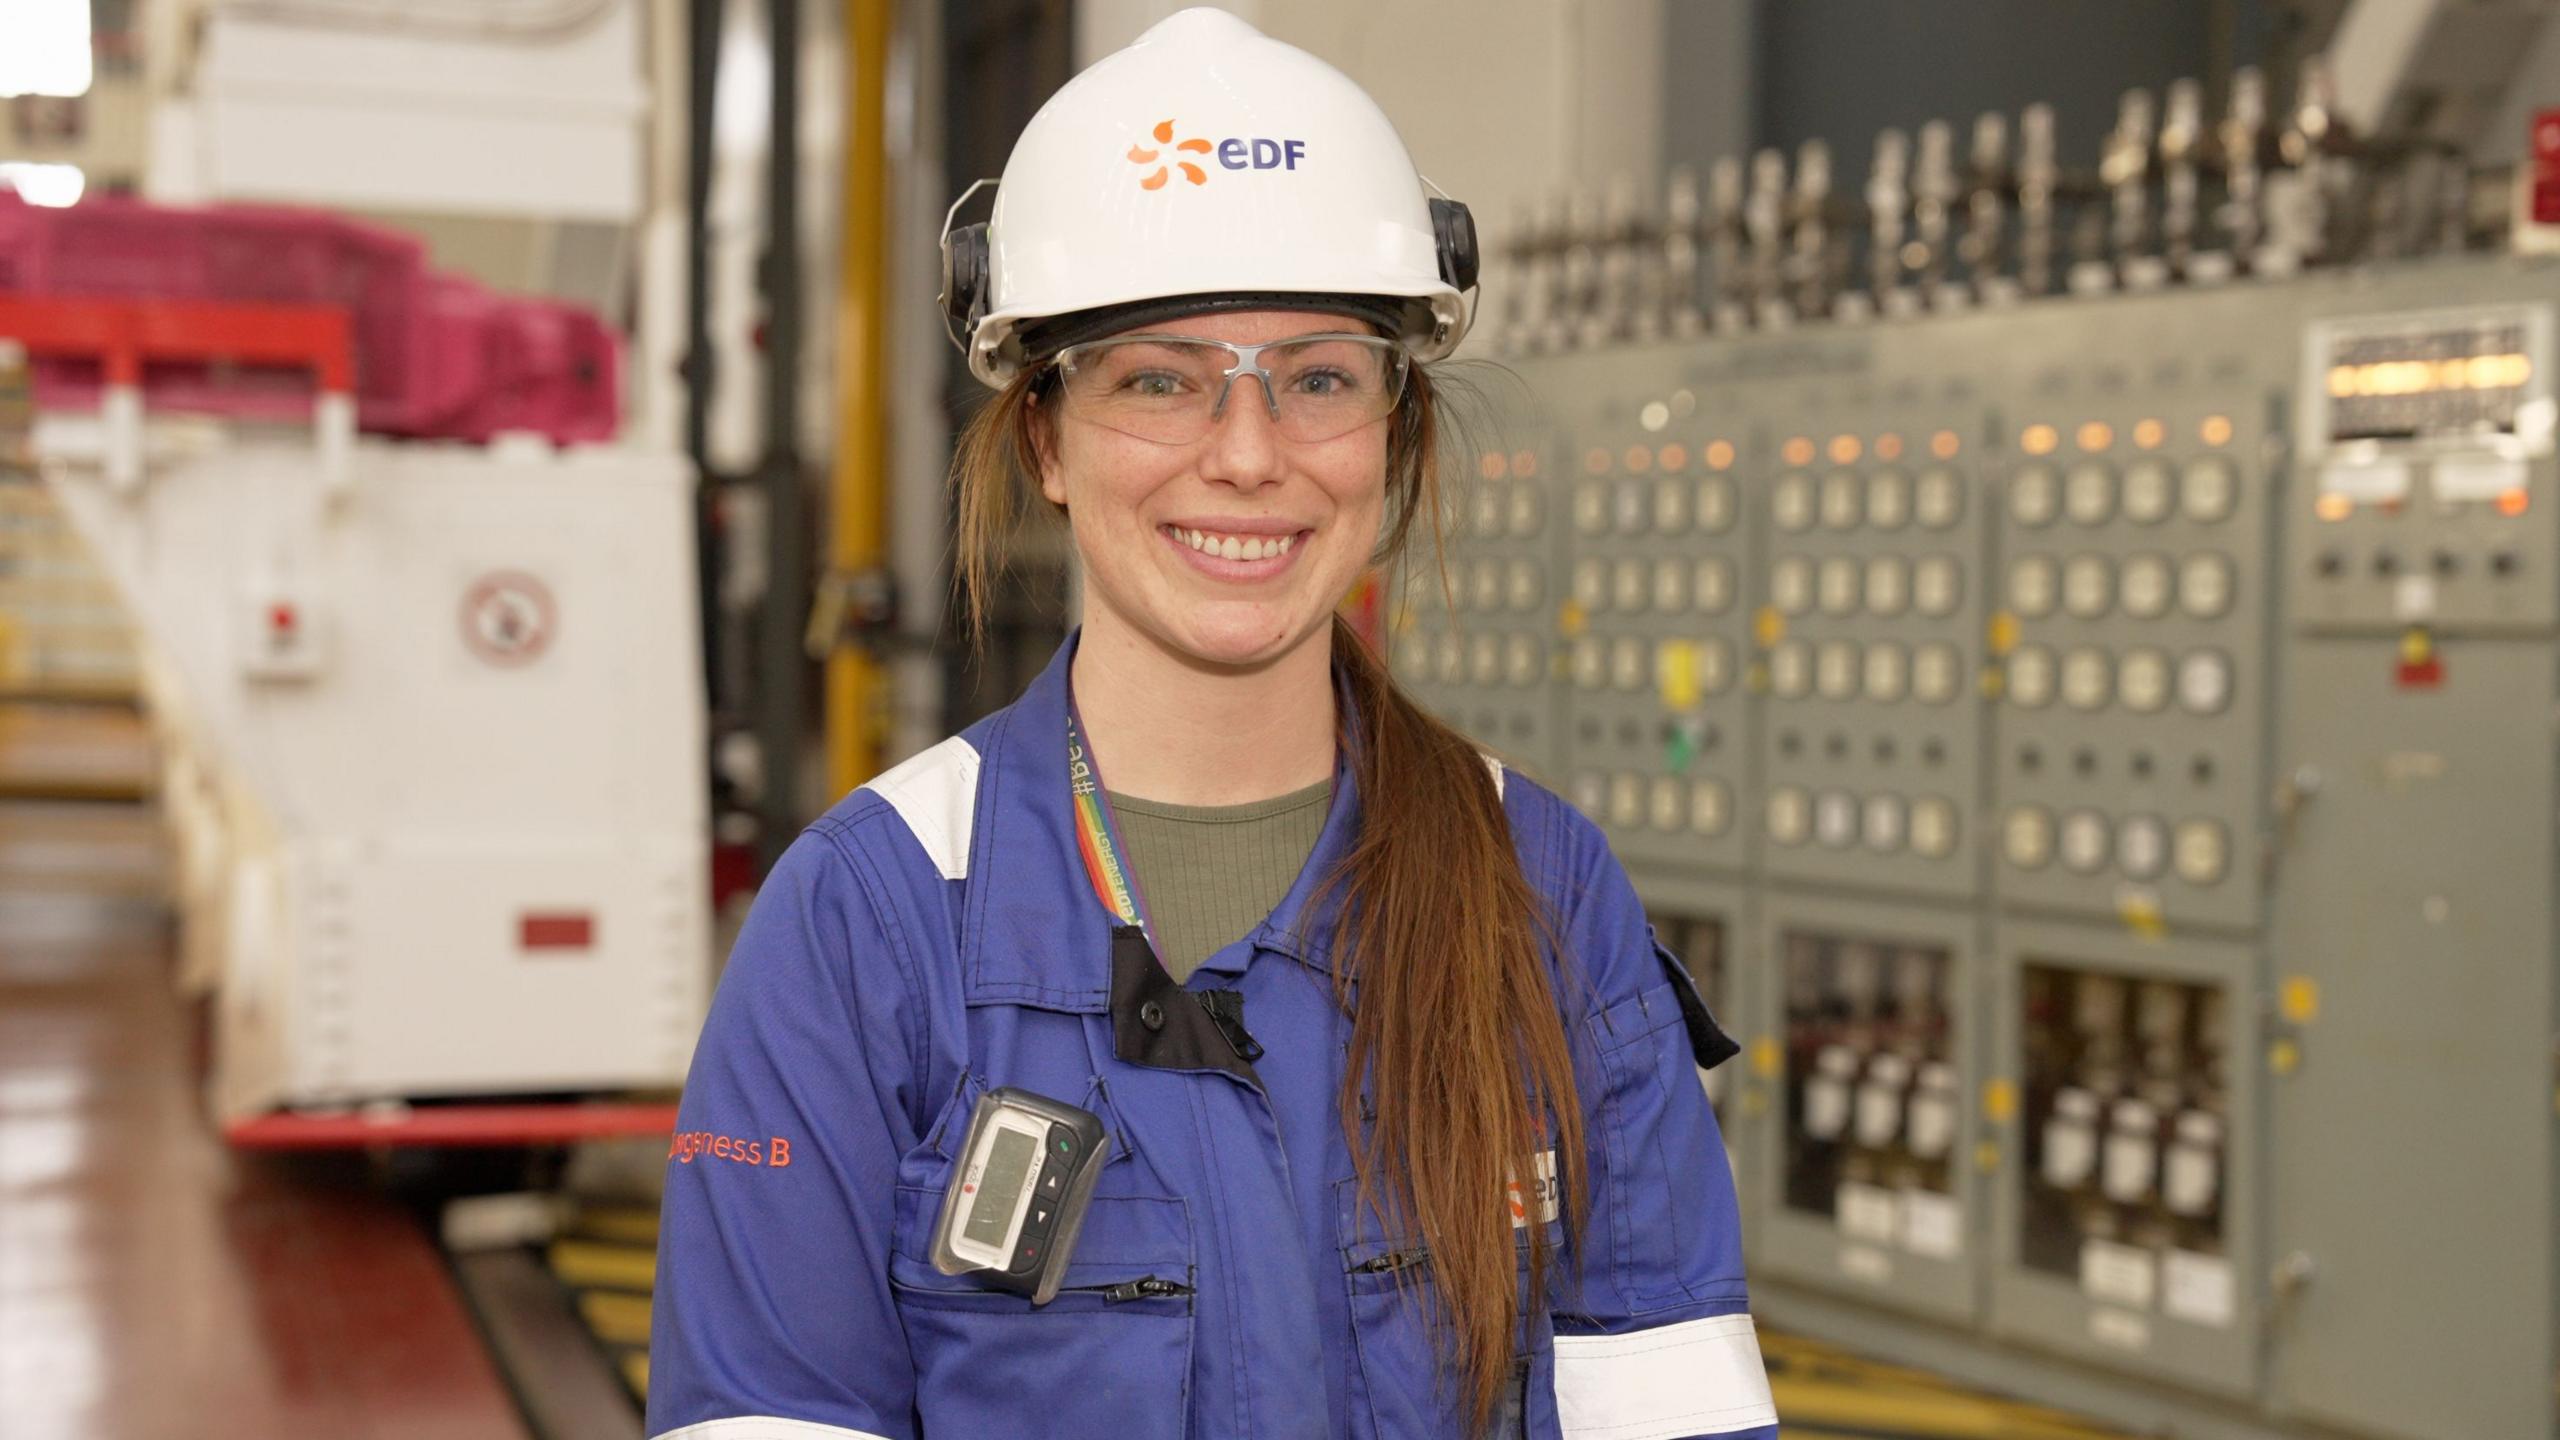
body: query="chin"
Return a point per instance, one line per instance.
(1238, 636)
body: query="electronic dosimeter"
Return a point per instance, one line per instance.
(1019, 1192)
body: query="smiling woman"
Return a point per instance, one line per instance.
(1422, 1152)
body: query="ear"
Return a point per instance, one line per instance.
(1042, 424)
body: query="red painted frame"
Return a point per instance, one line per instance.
(453, 1126)
(124, 333)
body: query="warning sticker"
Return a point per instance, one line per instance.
(509, 618)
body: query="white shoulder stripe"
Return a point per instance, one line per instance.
(1699, 1377)
(1497, 775)
(765, 1427)
(936, 792)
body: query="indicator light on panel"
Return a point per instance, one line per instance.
(2216, 430)
(2334, 506)
(2513, 502)
(2039, 440)
(2096, 435)
(1943, 444)
(1719, 454)
(1845, 449)
(1798, 451)
(1888, 447)
(2148, 434)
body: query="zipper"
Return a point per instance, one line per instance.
(1392, 1262)
(1150, 1287)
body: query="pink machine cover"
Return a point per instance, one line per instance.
(436, 356)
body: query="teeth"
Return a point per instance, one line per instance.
(1231, 547)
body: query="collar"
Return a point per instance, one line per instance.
(1034, 933)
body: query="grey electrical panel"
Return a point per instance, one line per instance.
(2085, 702)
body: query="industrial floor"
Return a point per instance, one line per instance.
(155, 1285)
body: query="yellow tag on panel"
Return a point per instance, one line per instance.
(1675, 671)
(2003, 633)
(1999, 1101)
(1769, 627)
(1765, 1057)
(2299, 1000)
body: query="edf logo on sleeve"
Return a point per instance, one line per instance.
(1240, 153)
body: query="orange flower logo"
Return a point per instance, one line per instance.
(1155, 179)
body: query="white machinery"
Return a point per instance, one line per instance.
(434, 730)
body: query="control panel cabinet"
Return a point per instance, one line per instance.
(2412, 1102)
(2101, 756)
(2125, 1086)
(1864, 1174)
(1471, 623)
(2134, 495)
(1651, 618)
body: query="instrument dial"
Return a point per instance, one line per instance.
(2027, 837)
(2035, 495)
(2089, 493)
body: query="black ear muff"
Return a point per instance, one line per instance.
(965, 276)
(1454, 230)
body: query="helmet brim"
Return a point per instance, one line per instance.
(1043, 339)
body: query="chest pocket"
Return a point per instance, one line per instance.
(1110, 1355)
(1401, 1380)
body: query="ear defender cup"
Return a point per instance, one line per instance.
(1454, 230)
(965, 275)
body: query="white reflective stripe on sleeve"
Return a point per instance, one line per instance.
(1699, 1377)
(765, 1427)
(936, 792)
(1497, 775)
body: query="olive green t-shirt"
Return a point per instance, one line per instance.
(1211, 873)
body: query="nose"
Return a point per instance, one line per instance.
(1243, 447)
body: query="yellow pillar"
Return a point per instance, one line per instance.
(856, 691)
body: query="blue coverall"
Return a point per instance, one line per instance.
(934, 936)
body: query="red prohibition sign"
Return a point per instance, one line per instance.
(509, 618)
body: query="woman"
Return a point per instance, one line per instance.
(1404, 1134)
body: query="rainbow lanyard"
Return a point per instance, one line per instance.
(1096, 838)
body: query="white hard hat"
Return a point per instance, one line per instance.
(1205, 167)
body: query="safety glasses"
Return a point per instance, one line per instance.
(1172, 389)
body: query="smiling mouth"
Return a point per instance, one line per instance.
(1246, 548)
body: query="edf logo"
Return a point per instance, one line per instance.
(1266, 154)
(1236, 154)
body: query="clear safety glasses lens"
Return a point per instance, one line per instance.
(1174, 389)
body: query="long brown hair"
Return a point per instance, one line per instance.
(1437, 943)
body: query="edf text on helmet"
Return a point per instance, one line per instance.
(1261, 154)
